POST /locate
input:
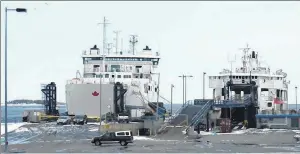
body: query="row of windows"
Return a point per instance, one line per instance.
(121, 59)
(246, 77)
(113, 76)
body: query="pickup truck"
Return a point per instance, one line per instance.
(121, 137)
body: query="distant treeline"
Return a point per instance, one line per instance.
(28, 101)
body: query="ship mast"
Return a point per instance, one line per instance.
(133, 41)
(104, 34)
(117, 40)
(245, 59)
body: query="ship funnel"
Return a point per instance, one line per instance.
(147, 48)
(253, 54)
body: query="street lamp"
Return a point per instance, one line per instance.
(204, 73)
(296, 90)
(5, 73)
(187, 76)
(184, 87)
(157, 90)
(172, 86)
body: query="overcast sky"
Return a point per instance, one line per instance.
(45, 44)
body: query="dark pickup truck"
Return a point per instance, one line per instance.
(122, 137)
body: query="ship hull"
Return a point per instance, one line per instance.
(82, 99)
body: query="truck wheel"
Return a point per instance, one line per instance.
(123, 143)
(97, 143)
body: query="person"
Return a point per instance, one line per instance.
(212, 125)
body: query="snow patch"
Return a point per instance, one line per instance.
(141, 138)
(94, 130)
(22, 129)
(233, 132)
(11, 127)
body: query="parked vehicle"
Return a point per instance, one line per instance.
(123, 118)
(80, 119)
(121, 137)
(63, 120)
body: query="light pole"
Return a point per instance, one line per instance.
(296, 90)
(183, 77)
(187, 76)
(204, 73)
(157, 91)
(172, 86)
(5, 73)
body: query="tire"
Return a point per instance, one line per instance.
(123, 143)
(97, 143)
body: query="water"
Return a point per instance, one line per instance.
(15, 113)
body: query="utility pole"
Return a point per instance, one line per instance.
(183, 77)
(103, 63)
(172, 86)
(133, 41)
(109, 47)
(158, 89)
(117, 40)
(296, 90)
(187, 76)
(184, 86)
(204, 73)
(104, 33)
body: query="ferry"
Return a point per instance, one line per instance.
(115, 82)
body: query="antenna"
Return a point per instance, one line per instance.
(133, 41)
(109, 46)
(231, 61)
(245, 58)
(122, 44)
(117, 40)
(104, 33)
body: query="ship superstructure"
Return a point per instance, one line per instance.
(271, 89)
(135, 70)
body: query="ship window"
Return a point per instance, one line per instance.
(255, 77)
(243, 77)
(119, 76)
(277, 78)
(115, 68)
(106, 75)
(155, 89)
(246, 77)
(219, 77)
(129, 76)
(148, 87)
(113, 76)
(99, 76)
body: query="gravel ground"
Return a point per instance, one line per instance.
(42, 138)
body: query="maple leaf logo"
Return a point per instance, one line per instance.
(95, 93)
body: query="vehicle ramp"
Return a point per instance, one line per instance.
(186, 114)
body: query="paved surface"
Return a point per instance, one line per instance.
(42, 138)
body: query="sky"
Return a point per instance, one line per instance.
(45, 44)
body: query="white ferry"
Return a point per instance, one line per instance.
(271, 89)
(135, 70)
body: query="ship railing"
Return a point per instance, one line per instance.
(245, 99)
(178, 112)
(202, 112)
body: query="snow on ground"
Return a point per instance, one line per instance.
(214, 133)
(11, 127)
(141, 138)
